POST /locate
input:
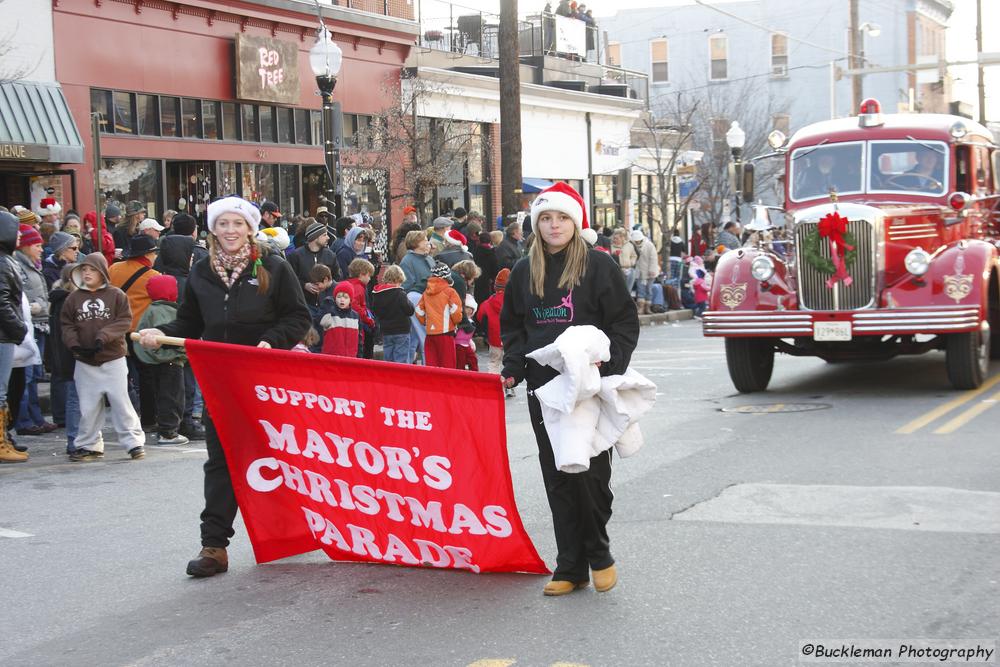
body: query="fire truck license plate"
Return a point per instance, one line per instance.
(831, 331)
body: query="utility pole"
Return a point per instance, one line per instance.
(979, 49)
(510, 109)
(857, 93)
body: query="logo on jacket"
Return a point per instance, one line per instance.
(93, 309)
(561, 314)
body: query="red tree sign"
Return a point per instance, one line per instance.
(368, 461)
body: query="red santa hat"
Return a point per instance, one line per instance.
(563, 198)
(49, 206)
(456, 238)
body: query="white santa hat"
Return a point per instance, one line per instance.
(49, 206)
(563, 198)
(236, 205)
(470, 302)
(590, 236)
(456, 238)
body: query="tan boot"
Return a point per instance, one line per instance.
(605, 580)
(210, 562)
(556, 588)
(7, 452)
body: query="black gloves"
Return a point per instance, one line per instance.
(81, 352)
(98, 345)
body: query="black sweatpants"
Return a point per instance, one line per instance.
(169, 385)
(580, 505)
(220, 502)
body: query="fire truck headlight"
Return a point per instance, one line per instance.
(762, 268)
(918, 261)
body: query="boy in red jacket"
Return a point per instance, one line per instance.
(361, 271)
(489, 315)
(340, 322)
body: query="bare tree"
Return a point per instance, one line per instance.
(435, 150)
(13, 65)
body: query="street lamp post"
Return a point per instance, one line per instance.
(736, 139)
(325, 58)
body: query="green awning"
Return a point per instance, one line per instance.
(36, 125)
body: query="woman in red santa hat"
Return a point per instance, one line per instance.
(563, 283)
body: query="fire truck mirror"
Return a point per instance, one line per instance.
(746, 188)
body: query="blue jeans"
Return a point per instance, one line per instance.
(30, 413)
(656, 295)
(642, 289)
(396, 348)
(6, 366)
(629, 279)
(417, 331)
(57, 398)
(72, 414)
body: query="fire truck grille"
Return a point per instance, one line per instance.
(813, 292)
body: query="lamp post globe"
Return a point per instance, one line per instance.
(735, 137)
(325, 59)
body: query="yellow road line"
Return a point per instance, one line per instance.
(488, 662)
(942, 410)
(969, 415)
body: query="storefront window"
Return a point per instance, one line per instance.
(258, 182)
(250, 127)
(124, 115)
(267, 124)
(289, 200)
(230, 126)
(100, 103)
(210, 119)
(168, 117)
(146, 114)
(302, 126)
(313, 182)
(285, 125)
(316, 120)
(125, 180)
(605, 209)
(190, 112)
(227, 178)
(360, 196)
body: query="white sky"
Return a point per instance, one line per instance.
(961, 39)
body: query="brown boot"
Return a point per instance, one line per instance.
(7, 452)
(605, 580)
(556, 588)
(210, 562)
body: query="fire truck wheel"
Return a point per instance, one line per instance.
(967, 357)
(750, 362)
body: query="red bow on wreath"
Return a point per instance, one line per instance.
(832, 227)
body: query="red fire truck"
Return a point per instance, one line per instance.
(890, 245)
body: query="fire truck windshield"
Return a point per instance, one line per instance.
(817, 170)
(911, 167)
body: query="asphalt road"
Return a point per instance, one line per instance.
(739, 536)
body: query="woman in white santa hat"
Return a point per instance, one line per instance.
(563, 283)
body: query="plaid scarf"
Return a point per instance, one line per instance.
(229, 267)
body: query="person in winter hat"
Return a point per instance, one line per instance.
(107, 242)
(455, 248)
(314, 250)
(489, 317)
(95, 320)
(562, 284)
(13, 326)
(439, 229)
(465, 348)
(440, 311)
(166, 364)
(49, 210)
(393, 311)
(647, 267)
(340, 323)
(65, 250)
(28, 258)
(417, 265)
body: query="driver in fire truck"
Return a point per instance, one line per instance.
(824, 175)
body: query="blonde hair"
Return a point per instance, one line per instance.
(467, 269)
(394, 274)
(263, 276)
(359, 267)
(576, 263)
(496, 237)
(414, 238)
(311, 337)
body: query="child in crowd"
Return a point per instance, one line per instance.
(392, 311)
(361, 272)
(340, 322)
(310, 341)
(489, 316)
(440, 311)
(167, 362)
(95, 319)
(320, 276)
(465, 348)
(701, 284)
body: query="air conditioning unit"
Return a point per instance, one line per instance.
(779, 71)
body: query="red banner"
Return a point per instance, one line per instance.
(366, 460)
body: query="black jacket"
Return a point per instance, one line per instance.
(63, 363)
(392, 309)
(12, 325)
(240, 315)
(528, 323)
(303, 260)
(486, 259)
(507, 253)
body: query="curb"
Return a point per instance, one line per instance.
(669, 316)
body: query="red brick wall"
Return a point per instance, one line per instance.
(496, 187)
(400, 9)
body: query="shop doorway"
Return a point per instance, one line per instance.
(190, 187)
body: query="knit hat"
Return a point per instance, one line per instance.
(314, 231)
(442, 270)
(29, 236)
(112, 211)
(408, 210)
(49, 206)
(460, 212)
(441, 223)
(59, 241)
(635, 236)
(500, 282)
(236, 205)
(184, 224)
(26, 217)
(590, 236)
(345, 287)
(563, 198)
(162, 288)
(470, 302)
(456, 238)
